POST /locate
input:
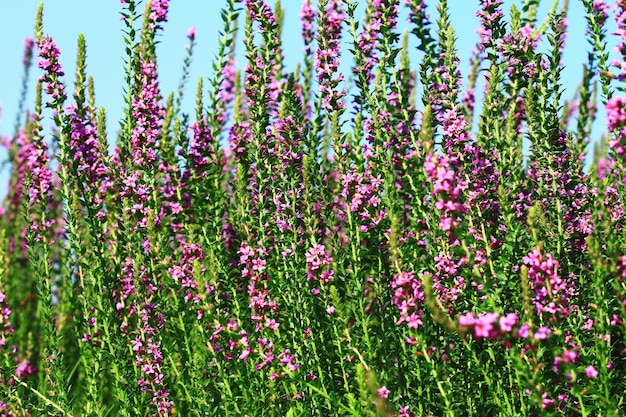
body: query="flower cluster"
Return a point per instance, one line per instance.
(307, 20)
(600, 8)
(447, 189)
(184, 273)
(253, 268)
(88, 157)
(5, 325)
(380, 18)
(148, 114)
(29, 45)
(516, 49)
(616, 121)
(40, 184)
(226, 93)
(326, 60)
(49, 62)
(361, 194)
(408, 297)
(551, 293)
(158, 11)
(21, 145)
(147, 346)
(317, 258)
(490, 325)
(201, 151)
(448, 281)
(150, 359)
(490, 16)
(620, 20)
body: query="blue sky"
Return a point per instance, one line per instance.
(100, 22)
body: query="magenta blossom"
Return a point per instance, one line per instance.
(591, 372)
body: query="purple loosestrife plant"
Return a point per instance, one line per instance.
(436, 249)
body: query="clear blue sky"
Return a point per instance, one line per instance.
(100, 22)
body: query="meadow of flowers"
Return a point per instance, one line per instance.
(383, 242)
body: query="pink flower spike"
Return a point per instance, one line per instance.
(191, 32)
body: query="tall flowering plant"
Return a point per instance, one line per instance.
(364, 235)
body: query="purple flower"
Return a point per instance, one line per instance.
(508, 322)
(88, 157)
(490, 16)
(488, 325)
(616, 121)
(201, 151)
(620, 20)
(326, 60)
(542, 333)
(616, 112)
(404, 412)
(307, 19)
(447, 190)
(253, 268)
(551, 292)
(380, 17)
(24, 370)
(184, 273)
(600, 8)
(29, 44)
(316, 258)
(467, 320)
(226, 93)
(264, 80)
(149, 114)
(408, 297)
(49, 63)
(191, 33)
(40, 187)
(361, 195)
(5, 325)
(484, 325)
(546, 401)
(524, 331)
(158, 11)
(591, 372)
